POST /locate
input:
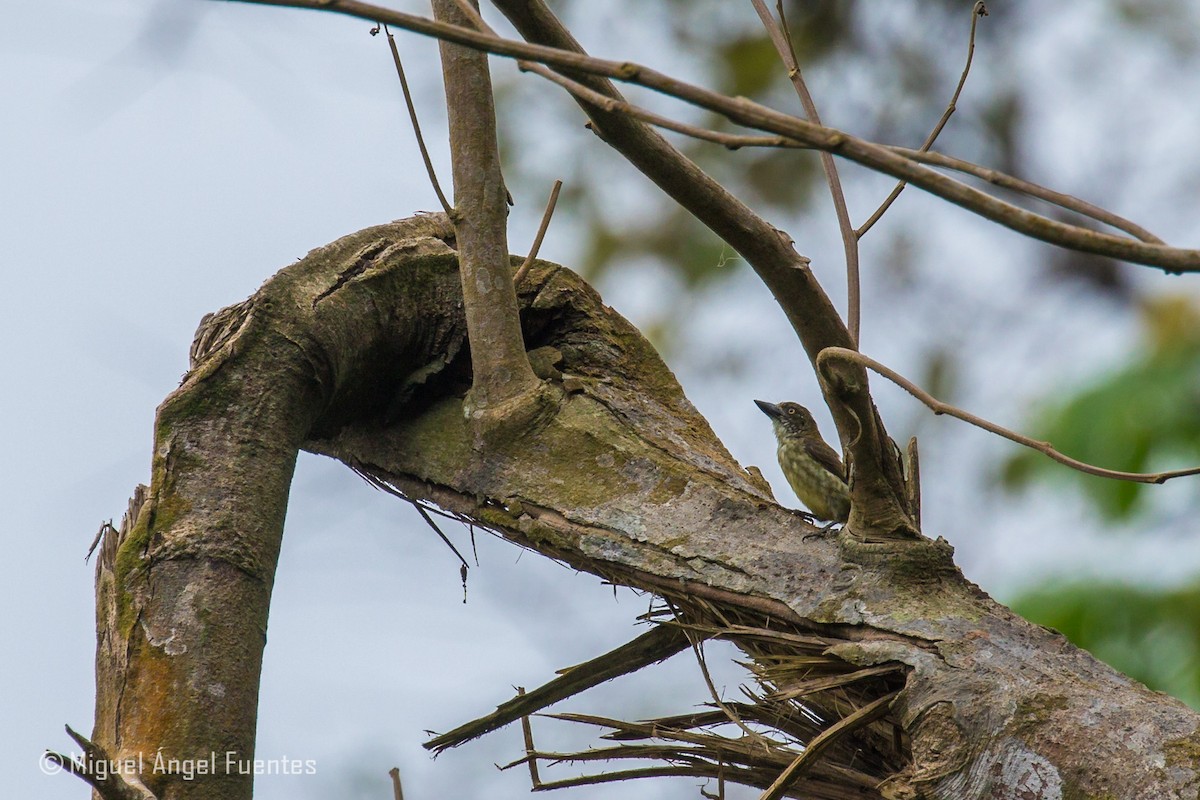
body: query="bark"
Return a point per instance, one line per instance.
(358, 352)
(503, 380)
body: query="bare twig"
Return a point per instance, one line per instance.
(977, 11)
(109, 783)
(746, 112)
(106, 528)
(938, 407)
(530, 752)
(737, 141)
(695, 640)
(863, 716)
(429, 521)
(659, 643)
(997, 178)
(781, 38)
(384, 486)
(397, 789)
(412, 115)
(541, 234)
(706, 771)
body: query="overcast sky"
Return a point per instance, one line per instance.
(159, 161)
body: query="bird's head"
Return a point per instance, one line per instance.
(790, 420)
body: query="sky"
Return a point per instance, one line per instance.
(147, 182)
(161, 160)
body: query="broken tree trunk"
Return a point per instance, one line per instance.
(913, 683)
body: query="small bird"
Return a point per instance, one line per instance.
(811, 467)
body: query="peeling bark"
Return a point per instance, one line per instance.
(357, 352)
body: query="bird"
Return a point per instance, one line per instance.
(812, 468)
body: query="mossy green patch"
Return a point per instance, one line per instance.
(1184, 752)
(128, 560)
(1036, 710)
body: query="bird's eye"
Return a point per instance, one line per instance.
(791, 411)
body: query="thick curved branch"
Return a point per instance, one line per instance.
(938, 407)
(357, 352)
(878, 495)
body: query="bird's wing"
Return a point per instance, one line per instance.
(824, 455)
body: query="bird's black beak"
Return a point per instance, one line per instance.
(770, 409)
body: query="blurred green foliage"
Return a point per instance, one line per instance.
(1151, 636)
(1143, 417)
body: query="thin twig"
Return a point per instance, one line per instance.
(106, 529)
(462, 570)
(658, 644)
(979, 10)
(541, 234)
(781, 38)
(699, 771)
(659, 729)
(384, 486)
(397, 789)
(734, 141)
(755, 115)
(997, 178)
(863, 716)
(712, 688)
(412, 115)
(938, 407)
(530, 752)
(429, 521)
(109, 784)
(673, 754)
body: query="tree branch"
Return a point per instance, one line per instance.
(356, 352)
(541, 234)
(502, 374)
(734, 141)
(782, 40)
(1005, 181)
(977, 11)
(814, 748)
(938, 407)
(658, 644)
(878, 487)
(416, 124)
(754, 115)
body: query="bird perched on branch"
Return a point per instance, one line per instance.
(812, 468)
